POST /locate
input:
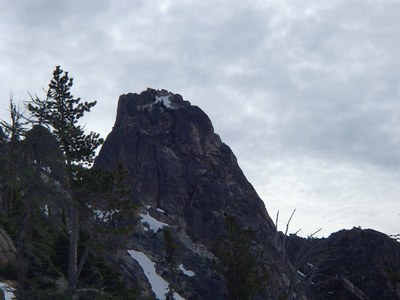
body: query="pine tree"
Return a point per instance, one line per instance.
(34, 234)
(13, 133)
(16, 129)
(24, 202)
(61, 111)
(13, 182)
(245, 276)
(104, 199)
(171, 252)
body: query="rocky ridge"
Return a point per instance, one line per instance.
(349, 264)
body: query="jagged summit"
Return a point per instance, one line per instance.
(130, 103)
(152, 96)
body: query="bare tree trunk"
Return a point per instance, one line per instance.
(11, 170)
(73, 249)
(74, 234)
(81, 263)
(21, 242)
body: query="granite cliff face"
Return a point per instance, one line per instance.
(184, 176)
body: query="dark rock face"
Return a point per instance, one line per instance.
(360, 264)
(39, 151)
(7, 248)
(41, 147)
(177, 163)
(179, 166)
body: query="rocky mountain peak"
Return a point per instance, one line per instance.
(177, 164)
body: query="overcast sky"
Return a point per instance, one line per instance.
(306, 93)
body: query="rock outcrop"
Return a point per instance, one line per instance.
(183, 175)
(350, 264)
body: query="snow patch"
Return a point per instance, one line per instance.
(159, 286)
(160, 210)
(164, 100)
(8, 291)
(105, 215)
(153, 224)
(186, 272)
(178, 297)
(46, 210)
(47, 169)
(301, 274)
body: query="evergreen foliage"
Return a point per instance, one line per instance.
(244, 275)
(28, 223)
(40, 179)
(61, 111)
(13, 133)
(104, 199)
(171, 248)
(105, 205)
(16, 129)
(171, 251)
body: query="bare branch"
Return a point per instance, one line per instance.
(314, 233)
(288, 223)
(276, 220)
(298, 231)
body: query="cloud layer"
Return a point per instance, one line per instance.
(305, 92)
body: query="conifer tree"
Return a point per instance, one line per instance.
(14, 131)
(171, 252)
(12, 183)
(61, 111)
(34, 235)
(105, 204)
(244, 275)
(23, 203)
